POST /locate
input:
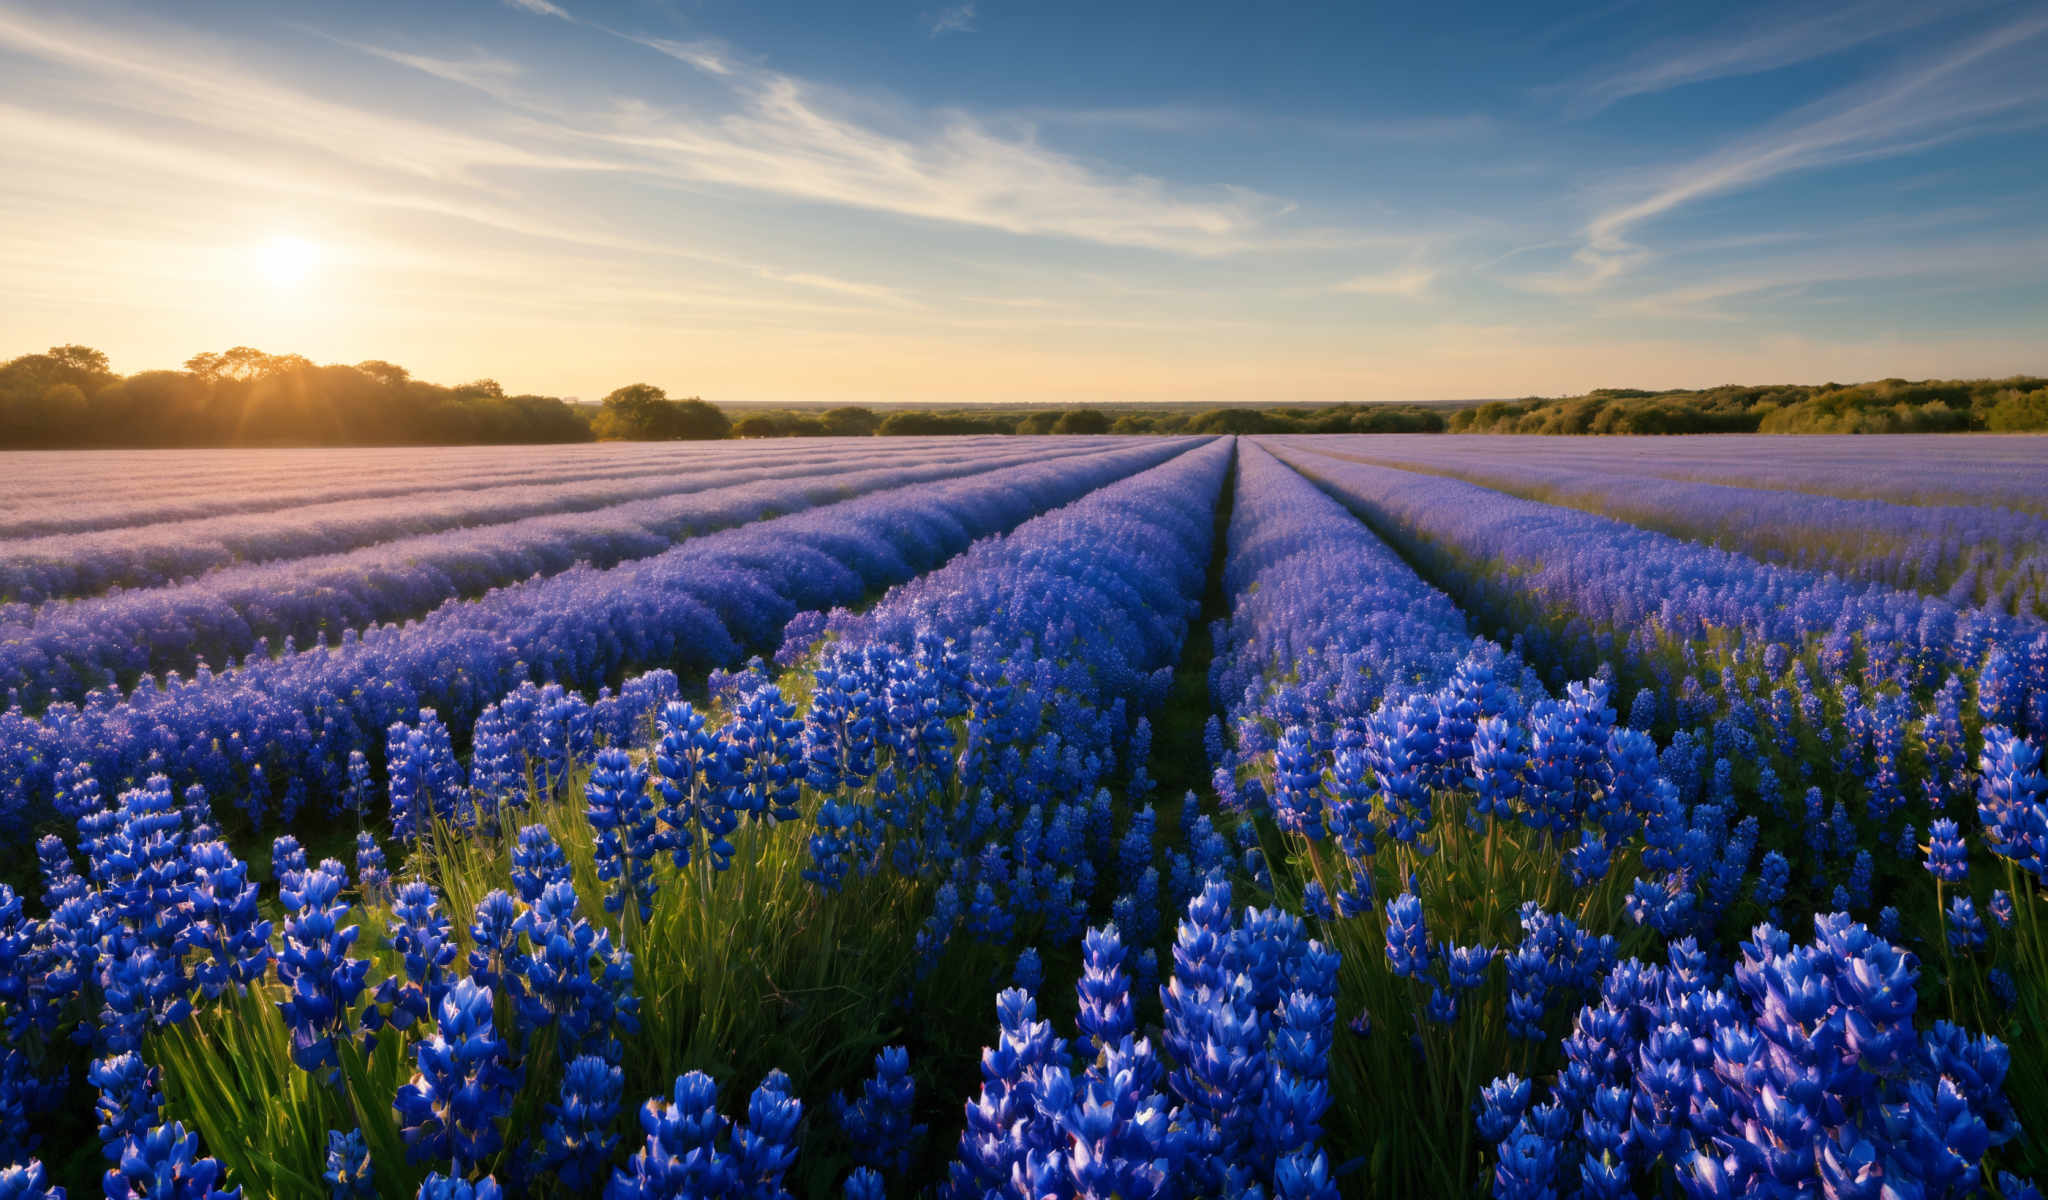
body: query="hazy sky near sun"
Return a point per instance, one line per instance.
(1044, 201)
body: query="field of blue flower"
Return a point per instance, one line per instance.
(1292, 817)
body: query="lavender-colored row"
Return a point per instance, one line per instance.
(279, 733)
(1973, 553)
(102, 490)
(83, 564)
(1326, 620)
(1630, 593)
(1938, 469)
(72, 649)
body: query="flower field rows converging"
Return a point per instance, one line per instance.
(1983, 554)
(66, 651)
(83, 564)
(1530, 854)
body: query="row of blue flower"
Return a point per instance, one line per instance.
(1798, 1069)
(156, 553)
(279, 733)
(119, 641)
(1774, 680)
(1104, 1115)
(69, 493)
(1969, 552)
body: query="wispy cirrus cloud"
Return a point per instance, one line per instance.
(955, 18)
(704, 54)
(1398, 281)
(540, 8)
(1979, 260)
(1983, 84)
(1796, 35)
(770, 133)
(1205, 120)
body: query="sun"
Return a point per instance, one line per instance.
(286, 261)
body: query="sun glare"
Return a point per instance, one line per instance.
(286, 261)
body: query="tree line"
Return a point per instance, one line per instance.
(68, 397)
(2014, 405)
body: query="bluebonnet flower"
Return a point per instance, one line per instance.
(29, 1181)
(1297, 787)
(323, 980)
(572, 978)
(424, 939)
(1501, 1105)
(2000, 981)
(287, 857)
(2012, 801)
(348, 1172)
(878, 1125)
(1861, 872)
(1948, 859)
(989, 1146)
(1030, 971)
(226, 922)
(372, 876)
(1106, 1017)
(147, 880)
(495, 955)
(764, 1148)
(425, 783)
(621, 813)
(497, 772)
(460, 1095)
(360, 789)
(1965, 927)
(537, 861)
(1408, 948)
(442, 1187)
(1466, 965)
(165, 1164)
(129, 1101)
(2001, 908)
(1773, 874)
(763, 750)
(681, 1155)
(865, 1183)
(692, 775)
(688, 1152)
(988, 918)
(577, 1142)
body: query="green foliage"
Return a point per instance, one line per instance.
(642, 412)
(67, 396)
(920, 423)
(1885, 406)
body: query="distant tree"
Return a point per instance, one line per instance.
(389, 374)
(1082, 420)
(83, 360)
(643, 412)
(244, 364)
(914, 423)
(850, 421)
(1235, 420)
(2015, 411)
(482, 387)
(1037, 423)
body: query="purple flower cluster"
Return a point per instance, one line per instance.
(298, 718)
(1801, 1070)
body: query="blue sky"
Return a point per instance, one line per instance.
(994, 201)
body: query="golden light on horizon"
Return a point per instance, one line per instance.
(287, 261)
